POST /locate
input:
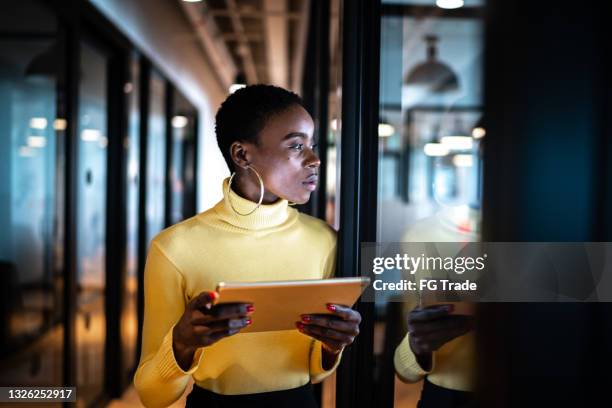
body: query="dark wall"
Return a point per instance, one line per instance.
(547, 178)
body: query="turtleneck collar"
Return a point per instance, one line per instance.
(266, 216)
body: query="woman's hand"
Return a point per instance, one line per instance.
(335, 331)
(203, 324)
(430, 328)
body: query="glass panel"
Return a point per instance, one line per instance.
(91, 224)
(182, 180)
(429, 143)
(332, 184)
(156, 157)
(31, 197)
(129, 319)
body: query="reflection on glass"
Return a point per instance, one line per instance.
(91, 224)
(430, 164)
(129, 320)
(182, 180)
(332, 183)
(156, 157)
(31, 201)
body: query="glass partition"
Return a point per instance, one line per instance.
(182, 165)
(129, 314)
(31, 196)
(156, 157)
(430, 134)
(91, 223)
(332, 183)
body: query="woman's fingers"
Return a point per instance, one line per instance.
(344, 312)
(222, 325)
(332, 322)
(215, 331)
(429, 341)
(219, 313)
(335, 330)
(326, 333)
(204, 301)
(331, 343)
(429, 313)
(433, 341)
(231, 311)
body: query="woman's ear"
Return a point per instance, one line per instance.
(240, 154)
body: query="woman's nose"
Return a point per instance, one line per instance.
(313, 160)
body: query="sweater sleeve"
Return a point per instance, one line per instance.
(159, 380)
(406, 365)
(317, 373)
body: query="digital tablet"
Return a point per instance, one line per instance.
(279, 304)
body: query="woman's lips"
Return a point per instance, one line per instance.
(311, 183)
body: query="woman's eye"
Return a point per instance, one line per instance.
(314, 146)
(299, 146)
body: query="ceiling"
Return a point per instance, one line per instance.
(262, 39)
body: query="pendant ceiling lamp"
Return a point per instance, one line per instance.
(435, 75)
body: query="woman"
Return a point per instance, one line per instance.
(266, 137)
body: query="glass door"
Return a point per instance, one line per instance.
(32, 134)
(129, 314)
(429, 161)
(156, 157)
(183, 157)
(91, 223)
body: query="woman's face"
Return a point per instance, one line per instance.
(284, 157)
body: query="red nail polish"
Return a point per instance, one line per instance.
(306, 319)
(331, 308)
(300, 326)
(250, 309)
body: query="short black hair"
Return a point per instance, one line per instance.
(245, 112)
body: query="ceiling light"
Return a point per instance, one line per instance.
(37, 141)
(457, 142)
(60, 124)
(463, 160)
(435, 75)
(239, 82)
(385, 130)
(38, 123)
(449, 4)
(192, 1)
(478, 133)
(234, 87)
(26, 151)
(90, 135)
(179, 121)
(334, 124)
(435, 149)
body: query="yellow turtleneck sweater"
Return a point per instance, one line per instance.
(276, 242)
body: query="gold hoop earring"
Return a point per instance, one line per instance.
(261, 193)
